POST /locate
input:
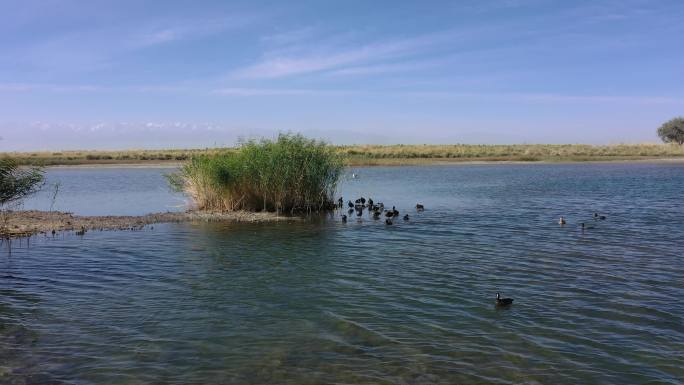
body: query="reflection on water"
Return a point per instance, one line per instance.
(361, 302)
(107, 191)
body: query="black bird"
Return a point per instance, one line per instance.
(376, 214)
(395, 212)
(370, 202)
(406, 217)
(363, 200)
(340, 202)
(350, 204)
(420, 207)
(359, 213)
(388, 221)
(350, 211)
(503, 301)
(389, 214)
(344, 218)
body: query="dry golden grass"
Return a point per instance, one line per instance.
(385, 155)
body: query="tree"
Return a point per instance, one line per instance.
(17, 182)
(672, 131)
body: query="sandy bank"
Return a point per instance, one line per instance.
(25, 223)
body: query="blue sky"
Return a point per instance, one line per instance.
(132, 74)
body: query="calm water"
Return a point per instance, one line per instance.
(327, 302)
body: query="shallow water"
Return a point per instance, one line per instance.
(107, 191)
(362, 302)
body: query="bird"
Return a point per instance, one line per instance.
(420, 207)
(350, 211)
(406, 217)
(350, 204)
(340, 202)
(376, 214)
(395, 212)
(388, 221)
(601, 217)
(586, 226)
(370, 202)
(561, 221)
(503, 301)
(359, 213)
(389, 214)
(344, 218)
(82, 231)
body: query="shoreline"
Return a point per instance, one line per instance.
(372, 155)
(399, 162)
(26, 223)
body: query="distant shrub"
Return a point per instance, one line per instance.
(672, 131)
(289, 174)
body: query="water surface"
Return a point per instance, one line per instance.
(362, 302)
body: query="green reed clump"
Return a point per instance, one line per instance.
(290, 174)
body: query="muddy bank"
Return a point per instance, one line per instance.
(25, 223)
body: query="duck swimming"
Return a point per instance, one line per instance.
(395, 212)
(406, 217)
(561, 221)
(420, 207)
(388, 221)
(503, 301)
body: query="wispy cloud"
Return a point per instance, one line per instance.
(174, 30)
(317, 59)
(516, 97)
(267, 91)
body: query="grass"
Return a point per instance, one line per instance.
(384, 155)
(290, 174)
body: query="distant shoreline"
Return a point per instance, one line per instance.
(389, 162)
(376, 155)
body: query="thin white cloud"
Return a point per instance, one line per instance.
(520, 97)
(170, 31)
(276, 92)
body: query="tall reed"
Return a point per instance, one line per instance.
(290, 174)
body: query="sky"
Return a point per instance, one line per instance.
(179, 74)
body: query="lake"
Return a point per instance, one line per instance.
(323, 301)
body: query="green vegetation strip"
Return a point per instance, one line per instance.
(377, 155)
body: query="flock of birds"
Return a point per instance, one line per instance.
(377, 210)
(597, 217)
